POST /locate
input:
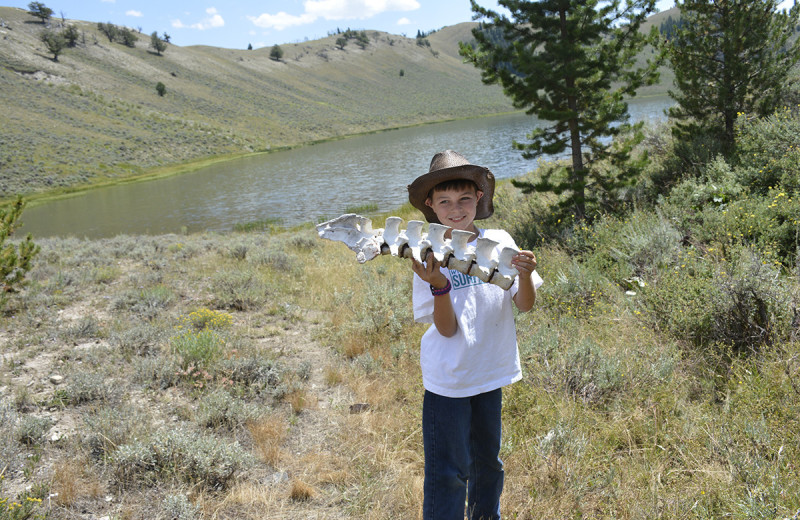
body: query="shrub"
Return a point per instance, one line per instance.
(145, 302)
(161, 89)
(220, 409)
(769, 151)
(85, 387)
(374, 316)
(178, 507)
(137, 339)
(623, 249)
(192, 457)
(717, 186)
(712, 301)
(239, 289)
(769, 223)
(157, 373)
(84, 328)
(107, 427)
(197, 349)
(254, 373)
(207, 319)
(31, 429)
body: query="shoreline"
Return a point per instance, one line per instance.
(170, 170)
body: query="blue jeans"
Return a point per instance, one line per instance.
(461, 437)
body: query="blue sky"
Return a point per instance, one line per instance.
(237, 23)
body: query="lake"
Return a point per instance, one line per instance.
(306, 184)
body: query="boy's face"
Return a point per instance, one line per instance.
(456, 207)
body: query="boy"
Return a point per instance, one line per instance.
(469, 352)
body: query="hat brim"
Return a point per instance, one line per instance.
(482, 177)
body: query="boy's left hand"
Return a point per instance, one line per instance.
(525, 262)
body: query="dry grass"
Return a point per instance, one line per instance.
(300, 400)
(301, 491)
(268, 435)
(73, 481)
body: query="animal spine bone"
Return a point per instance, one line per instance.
(481, 260)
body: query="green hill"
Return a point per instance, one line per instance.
(94, 115)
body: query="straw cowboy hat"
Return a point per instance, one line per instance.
(446, 166)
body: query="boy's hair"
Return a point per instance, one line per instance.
(453, 184)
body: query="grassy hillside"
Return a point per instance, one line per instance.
(94, 115)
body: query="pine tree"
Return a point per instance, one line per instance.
(15, 259)
(570, 63)
(729, 57)
(157, 43)
(39, 10)
(54, 41)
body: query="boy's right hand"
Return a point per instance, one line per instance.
(430, 271)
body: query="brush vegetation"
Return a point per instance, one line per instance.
(266, 374)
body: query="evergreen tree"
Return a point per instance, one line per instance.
(128, 37)
(276, 53)
(39, 10)
(570, 63)
(15, 259)
(54, 42)
(729, 57)
(157, 43)
(109, 29)
(71, 35)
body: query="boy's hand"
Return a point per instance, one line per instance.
(525, 262)
(429, 271)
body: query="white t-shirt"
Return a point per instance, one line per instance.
(482, 356)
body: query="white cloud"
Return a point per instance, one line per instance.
(358, 9)
(281, 20)
(403, 21)
(333, 10)
(137, 14)
(213, 20)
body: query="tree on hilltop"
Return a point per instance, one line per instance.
(571, 63)
(157, 43)
(109, 29)
(54, 41)
(39, 10)
(71, 35)
(276, 53)
(128, 37)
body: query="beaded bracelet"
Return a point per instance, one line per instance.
(443, 290)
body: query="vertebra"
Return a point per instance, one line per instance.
(482, 260)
